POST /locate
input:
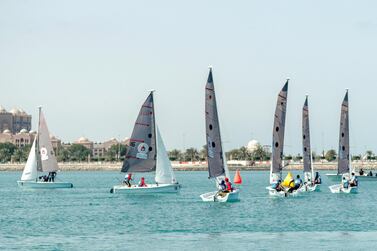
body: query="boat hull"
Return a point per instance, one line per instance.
(149, 189)
(272, 192)
(215, 196)
(338, 188)
(309, 188)
(43, 185)
(338, 177)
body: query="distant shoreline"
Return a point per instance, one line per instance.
(108, 166)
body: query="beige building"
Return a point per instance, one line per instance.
(19, 139)
(99, 149)
(14, 120)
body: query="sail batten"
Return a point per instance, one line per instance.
(141, 154)
(306, 138)
(215, 156)
(278, 134)
(344, 148)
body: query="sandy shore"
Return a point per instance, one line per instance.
(107, 166)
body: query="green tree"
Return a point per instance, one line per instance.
(21, 154)
(244, 154)
(369, 155)
(116, 151)
(191, 154)
(78, 152)
(6, 151)
(203, 153)
(260, 153)
(63, 155)
(330, 155)
(175, 155)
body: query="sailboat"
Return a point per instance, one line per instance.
(41, 159)
(309, 185)
(344, 161)
(147, 153)
(278, 144)
(217, 167)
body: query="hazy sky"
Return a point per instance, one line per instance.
(90, 64)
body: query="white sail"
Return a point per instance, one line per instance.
(30, 171)
(164, 170)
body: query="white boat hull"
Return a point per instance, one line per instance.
(272, 192)
(43, 185)
(217, 196)
(338, 188)
(149, 189)
(338, 177)
(309, 188)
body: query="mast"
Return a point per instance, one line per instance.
(278, 135)
(37, 149)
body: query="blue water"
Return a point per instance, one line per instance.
(88, 217)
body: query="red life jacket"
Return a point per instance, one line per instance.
(228, 186)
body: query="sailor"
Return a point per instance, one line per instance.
(278, 186)
(142, 182)
(228, 185)
(370, 173)
(317, 179)
(127, 179)
(345, 182)
(53, 174)
(353, 181)
(297, 182)
(361, 172)
(222, 186)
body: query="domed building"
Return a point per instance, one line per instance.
(85, 142)
(252, 145)
(15, 120)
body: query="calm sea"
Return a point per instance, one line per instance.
(88, 217)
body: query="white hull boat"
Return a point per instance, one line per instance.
(41, 159)
(338, 188)
(149, 189)
(344, 157)
(43, 185)
(217, 196)
(278, 145)
(338, 177)
(147, 153)
(217, 167)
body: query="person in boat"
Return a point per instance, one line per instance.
(317, 179)
(361, 172)
(345, 183)
(51, 176)
(370, 173)
(353, 181)
(228, 185)
(222, 186)
(278, 186)
(127, 179)
(43, 178)
(297, 184)
(142, 182)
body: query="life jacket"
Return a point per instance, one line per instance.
(228, 186)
